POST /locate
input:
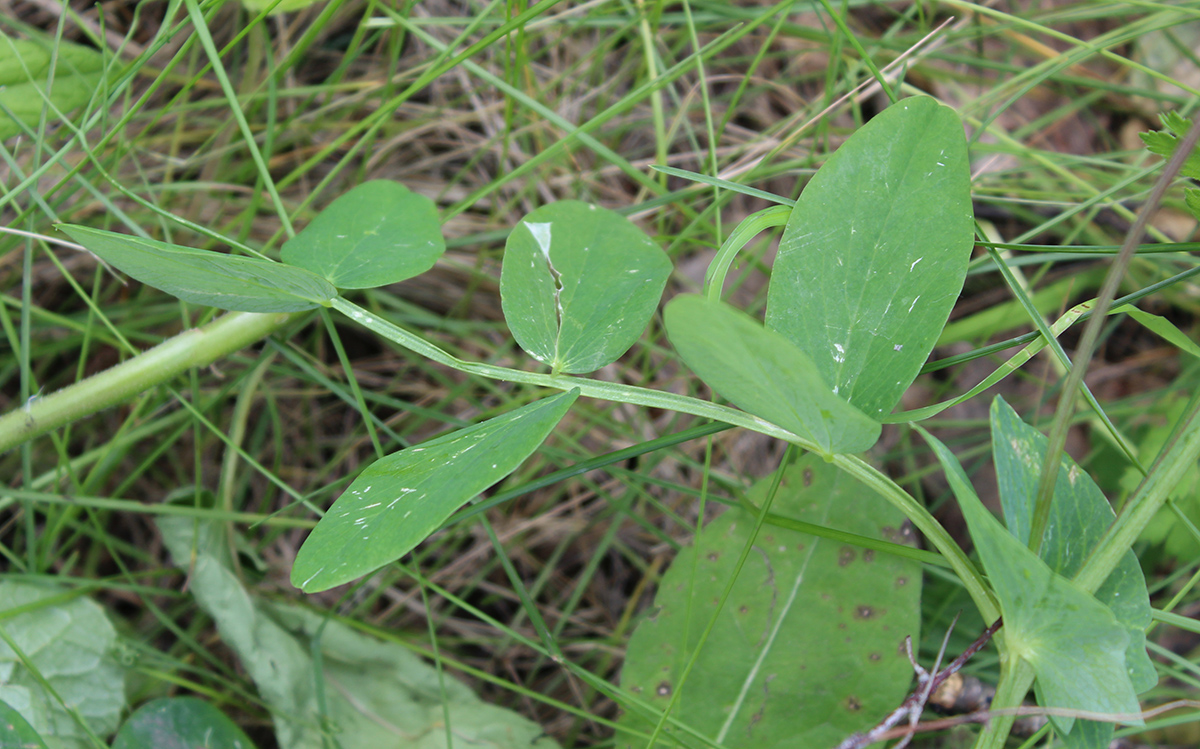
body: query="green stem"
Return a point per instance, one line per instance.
(1016, 677)
(198, 347)
(638, 396)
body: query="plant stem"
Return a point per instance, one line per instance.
(1016, 677)
(197, 347)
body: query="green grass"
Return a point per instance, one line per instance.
(493, 110)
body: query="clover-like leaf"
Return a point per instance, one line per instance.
(579, 285)
(764, 373)
(203, 277)
(378, 233)
(400, 499)
(875, 253)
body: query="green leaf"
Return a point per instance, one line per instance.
(180, 723)
(1074, 643)
(287, 6)
(24, 70)
(579, 285)
(1164, 142)
(1191, 199)
(203, 277)
(68, 640)
(400, 499)
(1079, 516)
(762, 372)
(370, 694)
(1162, 327)
(809, 647)
(15, 731)
(875, 253)
(378, 233)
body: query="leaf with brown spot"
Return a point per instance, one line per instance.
(800, 635)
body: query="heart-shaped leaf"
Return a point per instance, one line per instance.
(809, 646)
(378, 233)
(875, 253)
(1079, 516)
(25, 69)
(211, 278)
(400, 499)
(1074, 643)
(764, 373)
(180, 723)
(579, 285)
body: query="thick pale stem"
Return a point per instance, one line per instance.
(197, 347)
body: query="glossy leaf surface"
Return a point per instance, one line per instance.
(25, 66)
(875, 253)
(763, 373)
(378, 233)
(69, 640)
(210, 278)
(1074, 643)
(809, 646)
(400, 499)
(180, 723)
(374, 694)
(579, 285)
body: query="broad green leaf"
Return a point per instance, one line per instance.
(1074, 643)
(579, 285)
(378, 233)
(1079, 516)
(400, 499)
(1164, 142)
(809, 647)
(1162, 327)
(15, 731)
(211, 278)
(875, 253)
(24, 71)
(180, 723)
(377, 695)
(69, 641)
(762, 372)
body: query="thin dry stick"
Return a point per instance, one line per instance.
(915, 703)
(982, 716)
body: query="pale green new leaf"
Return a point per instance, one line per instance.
(1079, 516)
(69, 643)
(400, 499)
(809, 647)
(24, 70)
(378, 233)
(377, 695)
(1074, 643)
(210, 278)
(762, 372)
(579, 284)
(180, 723)
(15, 731)
(875, 253)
